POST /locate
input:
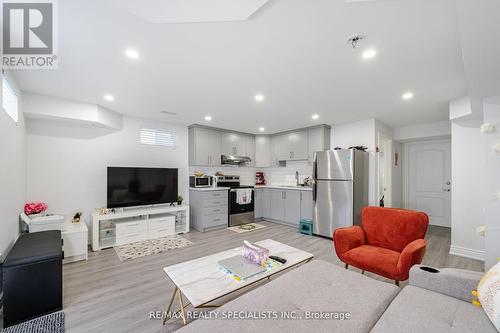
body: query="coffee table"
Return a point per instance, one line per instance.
(201, 282)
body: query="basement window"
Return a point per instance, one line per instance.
(9, 99)
(158, 137)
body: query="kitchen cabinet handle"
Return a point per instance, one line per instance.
(133, 224)
(132, 235)
(216, 220)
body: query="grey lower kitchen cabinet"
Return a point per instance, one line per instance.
(306, 205)
(283, 205)
(292, 207)
(209, 209)
(277, 206)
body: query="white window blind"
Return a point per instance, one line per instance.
(9, 99)
(158, 137)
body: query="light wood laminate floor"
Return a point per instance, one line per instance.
(106, 295)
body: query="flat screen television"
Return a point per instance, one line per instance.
(129, 187)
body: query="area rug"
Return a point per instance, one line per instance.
(150, 247)
(246, 227)
(51, 323)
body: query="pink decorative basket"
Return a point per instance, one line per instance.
(35, 208)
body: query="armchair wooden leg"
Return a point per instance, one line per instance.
(363, 272)
(346, 266)
(396, 282)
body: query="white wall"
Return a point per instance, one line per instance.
(492, 186)
(66, 163)
(12, 173)
(423, 131)
(467, 181)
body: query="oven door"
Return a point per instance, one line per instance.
(240, 214)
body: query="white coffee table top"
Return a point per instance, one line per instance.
(201, 281)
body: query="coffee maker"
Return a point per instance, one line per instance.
(259, 178)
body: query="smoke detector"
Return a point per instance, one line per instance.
(355, 40)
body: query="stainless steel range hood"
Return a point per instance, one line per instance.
(234, 160)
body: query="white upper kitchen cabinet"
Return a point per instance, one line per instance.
(318, 140)
(262, 151)
(250, 149)
(204, 146)
(292, 146)
(234, 144)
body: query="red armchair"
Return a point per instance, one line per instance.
(388, 242)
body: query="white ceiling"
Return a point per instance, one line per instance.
(292, 51)
(185, 11)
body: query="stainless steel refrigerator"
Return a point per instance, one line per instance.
(340, 189)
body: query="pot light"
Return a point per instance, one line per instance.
(315, 116)
(262, 129)
(208, 118)
(407, 95)
(369, 54)
(259, 98)
(109, 98)
(132, 54)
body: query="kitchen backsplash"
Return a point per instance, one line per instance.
(274, 176)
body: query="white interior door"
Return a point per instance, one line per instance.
(429, 180)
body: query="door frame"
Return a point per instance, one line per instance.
(406, 165)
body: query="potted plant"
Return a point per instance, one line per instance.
(179, 200)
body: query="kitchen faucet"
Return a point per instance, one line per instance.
(297, 178)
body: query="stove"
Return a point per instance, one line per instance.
(238, 213)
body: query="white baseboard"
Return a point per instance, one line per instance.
(468, 253)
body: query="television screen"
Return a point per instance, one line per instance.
(141, 186)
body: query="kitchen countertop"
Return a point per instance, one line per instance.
(284, 187)
(207, 189)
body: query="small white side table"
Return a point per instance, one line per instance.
(75, 241)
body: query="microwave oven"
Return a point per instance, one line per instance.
(203, 181)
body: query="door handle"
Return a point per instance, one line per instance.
(314, 191)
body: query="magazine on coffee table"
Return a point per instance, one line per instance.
(270, 264)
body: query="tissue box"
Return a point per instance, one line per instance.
(254, 253)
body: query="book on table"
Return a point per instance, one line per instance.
(241, 267)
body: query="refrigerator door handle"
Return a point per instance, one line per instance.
(315, 167)
(314, 189)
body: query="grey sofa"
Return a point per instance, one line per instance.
(433, 302)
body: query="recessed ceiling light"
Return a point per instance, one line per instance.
(262, 129)
(109, 98)
(315, 116)
(208, 118)
(132, 54)
(369, 54)
(407, 95)
(259, 98)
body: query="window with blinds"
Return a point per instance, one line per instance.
(158, 137)
(9, 99)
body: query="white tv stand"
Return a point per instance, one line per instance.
(135, 225)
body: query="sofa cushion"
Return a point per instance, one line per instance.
(420, 310)
(393, 228)
(316, 286)
(489, 294)
(374, 259)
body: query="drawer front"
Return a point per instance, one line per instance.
(214, 210)
(164, 222)
(214, 220)
(163, 232)
(131, 238)
(215, 202)
(134, 227)
(214, 195)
